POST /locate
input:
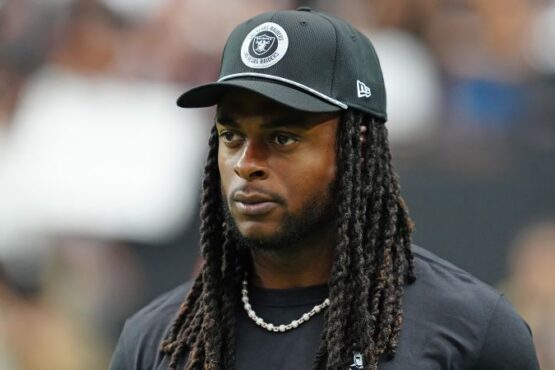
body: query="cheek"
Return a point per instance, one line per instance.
(226, 171)
(310, 177)
(324, 172)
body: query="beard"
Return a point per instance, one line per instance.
(317, 213)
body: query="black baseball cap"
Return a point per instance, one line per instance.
(304, 59)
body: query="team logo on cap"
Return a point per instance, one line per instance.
(264, 46)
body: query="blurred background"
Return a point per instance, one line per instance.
(100, 171)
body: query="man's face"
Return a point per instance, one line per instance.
(277, 168)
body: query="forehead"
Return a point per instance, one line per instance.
(238, 104)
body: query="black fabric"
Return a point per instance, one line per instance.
(451, 321)
(210, 94)
(324, 53)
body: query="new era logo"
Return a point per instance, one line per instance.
(363, 91)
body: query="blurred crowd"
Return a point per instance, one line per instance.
(100, 172)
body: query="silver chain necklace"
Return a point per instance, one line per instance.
(278, 328)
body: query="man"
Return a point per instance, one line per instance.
(306, 241)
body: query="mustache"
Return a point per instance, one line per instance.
(249, 189)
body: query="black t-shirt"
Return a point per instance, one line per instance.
(451, 321)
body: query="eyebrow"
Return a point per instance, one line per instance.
(226, 120)
(282, 121)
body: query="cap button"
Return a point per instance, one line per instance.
(304, 8)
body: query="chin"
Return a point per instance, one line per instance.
(257, 231)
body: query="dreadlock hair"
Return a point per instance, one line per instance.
(372, 262)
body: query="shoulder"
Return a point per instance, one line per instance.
(508, 341)
(452, 299)
(441, 280)
(161, 309)
(142, 333)
(455, 311)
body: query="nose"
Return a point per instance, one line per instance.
(251, 164)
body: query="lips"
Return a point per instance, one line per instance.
(253, 203)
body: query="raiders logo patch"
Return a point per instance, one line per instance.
(264, 46)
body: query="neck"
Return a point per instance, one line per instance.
(305, 264)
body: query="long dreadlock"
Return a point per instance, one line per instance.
(372, 262)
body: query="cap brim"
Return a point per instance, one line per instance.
(210, 94)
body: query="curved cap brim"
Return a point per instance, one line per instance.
(210, 94)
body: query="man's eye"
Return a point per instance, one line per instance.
(283, 139)
(228, 136)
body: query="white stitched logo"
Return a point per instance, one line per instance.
(363, 91)
(264, 46)
(357, 361)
